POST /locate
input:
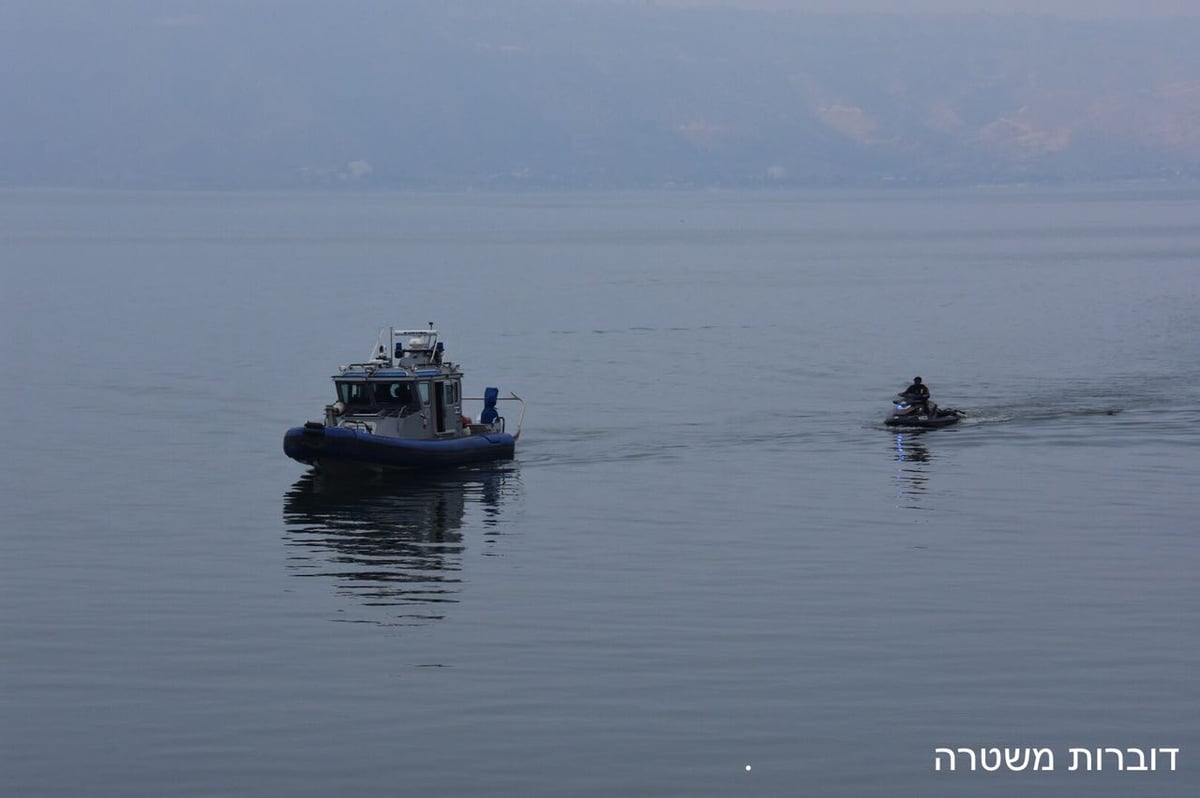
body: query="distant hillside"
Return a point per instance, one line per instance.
(448, 94)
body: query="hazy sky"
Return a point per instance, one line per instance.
(594, 93)
(1073, 8)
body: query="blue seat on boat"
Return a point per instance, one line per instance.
(489, 414)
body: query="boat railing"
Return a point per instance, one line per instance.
(512, 397)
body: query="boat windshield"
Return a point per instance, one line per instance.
(395, 393)
(359, 395)
(353, 394)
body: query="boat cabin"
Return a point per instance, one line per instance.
(407, 390)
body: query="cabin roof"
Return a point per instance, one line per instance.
(360, 372)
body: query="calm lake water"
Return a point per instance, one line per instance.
(710, 571)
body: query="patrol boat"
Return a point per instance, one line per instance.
(403, 408)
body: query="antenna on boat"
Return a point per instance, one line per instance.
(379, 353)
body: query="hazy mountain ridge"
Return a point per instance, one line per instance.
(225, 94)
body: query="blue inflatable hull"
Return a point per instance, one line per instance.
(336, 446)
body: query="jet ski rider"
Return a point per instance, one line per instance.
(918, 395)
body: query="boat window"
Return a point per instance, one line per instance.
(423, 389)
(452, 393)
(394, 393)
(353, 393)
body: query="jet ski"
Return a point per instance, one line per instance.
(907, 411)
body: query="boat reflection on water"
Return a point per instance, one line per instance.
(395, 546)
(912, 472)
